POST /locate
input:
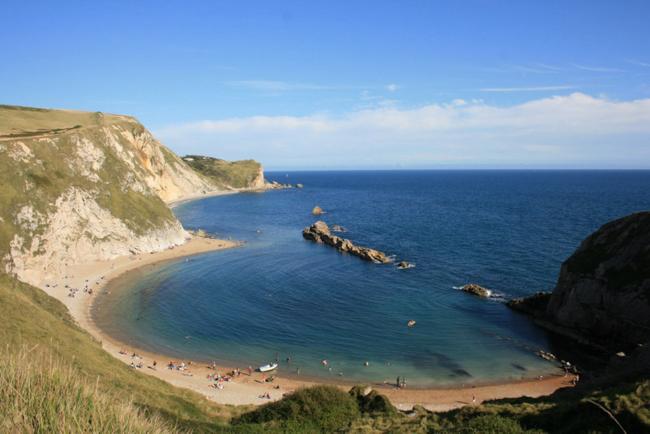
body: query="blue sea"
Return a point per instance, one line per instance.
(279, 296)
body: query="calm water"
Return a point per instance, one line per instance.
(281, 296)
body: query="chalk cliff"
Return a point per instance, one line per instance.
(81, 186)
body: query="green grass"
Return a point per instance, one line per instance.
(236, 174)
(33, 319)
(43, 394)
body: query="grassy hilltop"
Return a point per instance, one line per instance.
(236, 174)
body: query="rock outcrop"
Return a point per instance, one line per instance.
(603, 291)
(317, 210)
(474, 289)
(319, 232)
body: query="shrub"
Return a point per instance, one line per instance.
(323, 408)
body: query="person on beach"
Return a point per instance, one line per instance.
(154, 364)
(397, 383)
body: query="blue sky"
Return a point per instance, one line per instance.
(346, 84)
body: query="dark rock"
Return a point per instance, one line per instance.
(403, 265)
(602, 296)
(338, 228)
(477, 290)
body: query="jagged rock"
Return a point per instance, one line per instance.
(477, 290)
(602, 296)
(299, 185)
(338, 228)
(319, 232)
(403, 265)
(317, 210)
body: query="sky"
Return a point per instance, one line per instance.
(350, 84)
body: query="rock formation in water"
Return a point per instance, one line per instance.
(317, 210)
(80, 186)
(474, 289)
(319, 232)
(603, 292)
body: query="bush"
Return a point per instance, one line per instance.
(319, 408)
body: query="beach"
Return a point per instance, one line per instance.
(246, 389)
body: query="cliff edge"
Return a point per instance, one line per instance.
(603, 291)
(85, 186)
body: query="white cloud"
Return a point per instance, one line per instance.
(575, 130)
(392, 87)
(597, 68)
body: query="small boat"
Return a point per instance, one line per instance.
(268, 367)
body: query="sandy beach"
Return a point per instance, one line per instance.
(90, 279)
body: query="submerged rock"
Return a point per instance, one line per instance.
(477, 290)
(319, 232)
(338, 228)
(403, 265)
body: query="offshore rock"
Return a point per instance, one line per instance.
(319, 232)
(477, 290)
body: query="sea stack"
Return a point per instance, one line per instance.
(319, 232)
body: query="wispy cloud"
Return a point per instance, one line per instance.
(638, 63)
(527, 88)
(576, 129)
(596, 68)
(392, 87)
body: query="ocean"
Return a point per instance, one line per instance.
(282, 297)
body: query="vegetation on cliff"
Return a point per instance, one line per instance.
(228, 174)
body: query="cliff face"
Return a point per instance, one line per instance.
(77, 187)
(603, 291)
(247, 174)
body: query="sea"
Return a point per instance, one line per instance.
(281, 298)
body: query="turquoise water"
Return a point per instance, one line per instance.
(280, 296)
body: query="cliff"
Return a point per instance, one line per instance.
(81, 186)
(246, 174)
(603, 291)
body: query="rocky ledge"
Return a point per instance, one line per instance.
(602, 296)
(319, 232)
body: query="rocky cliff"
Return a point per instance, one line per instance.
(81, 186)
(246, 174)
(603, 291)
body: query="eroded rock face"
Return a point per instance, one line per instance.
(319, 232)
(603, 291)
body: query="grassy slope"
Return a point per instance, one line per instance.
(237, 174)
(31, 319)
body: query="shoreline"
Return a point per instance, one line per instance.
(248, 389)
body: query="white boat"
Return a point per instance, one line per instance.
(268, 367)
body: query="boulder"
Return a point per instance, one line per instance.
(403, 265)
(477, 290)
(338, 228)
(317, 210)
